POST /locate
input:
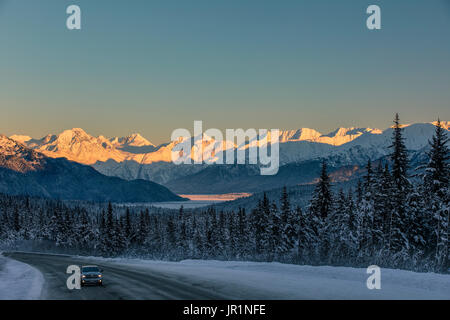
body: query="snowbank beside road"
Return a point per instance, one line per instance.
(19, 281)
(253, 280)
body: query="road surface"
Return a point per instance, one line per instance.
(120, 282)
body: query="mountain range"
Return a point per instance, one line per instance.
(301, 151)
(24, 171)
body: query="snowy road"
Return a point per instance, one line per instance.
(140, 279)
(121, 282)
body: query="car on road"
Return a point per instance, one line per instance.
(91, 275)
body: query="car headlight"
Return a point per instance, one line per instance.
(83, 276)
(99, 275)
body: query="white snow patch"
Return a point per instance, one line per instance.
(19, 281)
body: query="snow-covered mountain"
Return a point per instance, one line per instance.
(75, 145)
(79, 146)
(21, 138)
(134, 143)
(24, 171)
(15, 156)
(336, 138)
(134, 157)
(133, 140)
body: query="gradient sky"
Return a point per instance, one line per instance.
(151, 66)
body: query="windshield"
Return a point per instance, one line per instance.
(90, 269)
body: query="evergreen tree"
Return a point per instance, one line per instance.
(246, 243)
(262, 227)
(382, 189)
(276, 248)
(111, 236)
(181, 236)
(321, 203)
(399, 157)
(416, 225)
(350, 236)
(16, 219)
(335, 226)
(436, 187)
(306, 237)
(170, 242)
(359, 192)
(437, 174)
(366, 216)
(398, 242)
(85, 234)
(128, 228)
(320, 207)
(288, 224)
(233, 231)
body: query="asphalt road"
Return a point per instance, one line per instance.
(120, 282)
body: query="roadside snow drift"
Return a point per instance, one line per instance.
(19, 281)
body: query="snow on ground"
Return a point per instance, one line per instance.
(253, 280)
(19, 281)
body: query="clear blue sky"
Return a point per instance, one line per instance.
(152, 66)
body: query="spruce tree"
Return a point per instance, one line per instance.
(399, 157)
(380, 206)
(436, 187)
(320, 207)
(128, 228)
(321, 203)
(351, 229)
(307, 242)
(398, 244)
(246, 237)
(288, 223)
(336, 229)
(262, 226)
(366, 216)
(276, 248)
(437, 173)
(110, 231)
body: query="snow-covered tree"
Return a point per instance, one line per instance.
(398, 240)
(366, 216)
(436, 188)
(320, 207)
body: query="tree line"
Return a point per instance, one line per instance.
(390, 219)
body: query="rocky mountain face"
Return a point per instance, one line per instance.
(15, 156)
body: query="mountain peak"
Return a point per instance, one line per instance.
(20, 138)
(73, 133)
(303, 134)
(17, 157)
(8, 144)
(133, 140)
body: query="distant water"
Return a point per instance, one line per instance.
(198, 200)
